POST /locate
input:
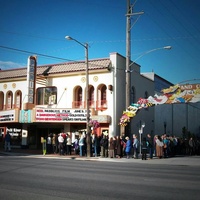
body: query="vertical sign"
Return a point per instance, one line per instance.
(31, 78)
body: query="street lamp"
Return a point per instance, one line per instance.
(147, 52)
(128, 70)
(87, 94)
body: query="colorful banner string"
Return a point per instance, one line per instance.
(189, 93)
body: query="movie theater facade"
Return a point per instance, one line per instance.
(38, 100)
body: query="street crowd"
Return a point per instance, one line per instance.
(160, 146)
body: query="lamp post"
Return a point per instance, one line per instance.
(87, 94)
(142, 125)
(128, 70)
(147, 52)
(128, 77)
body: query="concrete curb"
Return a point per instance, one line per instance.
(178, 160)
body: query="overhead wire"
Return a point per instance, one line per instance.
(179, 21)
(39, 54)
(43, 55)
(186, 18)
(155, 6)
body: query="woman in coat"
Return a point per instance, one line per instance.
(118, 147)
(159, 147)
(128, 147)
(111, 148)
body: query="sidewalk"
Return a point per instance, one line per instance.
(177, 160)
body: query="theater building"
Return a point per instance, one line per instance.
(38, 100)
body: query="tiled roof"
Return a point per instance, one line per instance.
(57, 68)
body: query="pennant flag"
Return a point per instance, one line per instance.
(189, 93)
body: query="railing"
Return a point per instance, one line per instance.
(77, 104)
(91, 104)
(101, 105)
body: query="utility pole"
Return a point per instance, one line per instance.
(128, 55)
(128, 31)
(128, 48)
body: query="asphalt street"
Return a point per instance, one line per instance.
(25, 176)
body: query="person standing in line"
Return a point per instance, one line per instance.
(136, 146)
(105, 145)
(128, 147)
(53, 141)
(115, 143)
(165, 146)
(60, 144)
(119, 147)
(123, 140)
(102, 146)
(7, 141)
(64, 135)
(68, 145)
(191, 146)
(76, 146)
(111, 148)
(150, 146)
(95, 144)
(144, 149)
(159, 147)
(49, 144)
(81, 145)
(57, 143)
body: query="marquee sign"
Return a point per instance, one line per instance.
(31, 78)
(189, 93)
(60, 115)
(9, 116)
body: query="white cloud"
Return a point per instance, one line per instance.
(10, 65)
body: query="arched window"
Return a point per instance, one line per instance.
(9, 100)
(18, 99)
(103, 93)
(91, 96)
(78, 97)
(102, 97)
(1, 100)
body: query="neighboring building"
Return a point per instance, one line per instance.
(57, 102)
(172, 118)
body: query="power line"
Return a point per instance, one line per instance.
(30, 35)
(39, 54)
(34, 53)
(155, 6)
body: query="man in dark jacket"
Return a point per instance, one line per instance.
(150, 145)
(144, 149)
(104, 146)
(7, 141)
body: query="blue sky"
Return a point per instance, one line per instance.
(40, 27)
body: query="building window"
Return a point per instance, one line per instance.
(91, 97)
(1, 100)
(146, 95)
(133, 95)
(102, 97)
(46, 96)
(18, 98)
(78, 98)
(103, 93)
(9, 100)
